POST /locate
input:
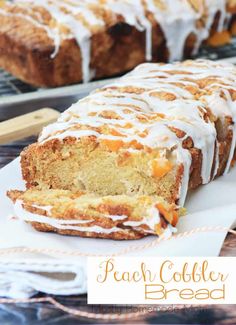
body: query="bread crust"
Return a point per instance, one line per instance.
(32, 63)
(128, 235)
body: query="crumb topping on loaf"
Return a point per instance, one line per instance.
(82, 19)
(166, 109)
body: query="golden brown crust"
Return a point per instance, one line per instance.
(128, 235)
(30, 60)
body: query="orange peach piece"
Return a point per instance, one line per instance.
(170, 216)
(116, 133)
(143, 134)
(160, 167)
(135, 144)
(113, 145)
(219, 39)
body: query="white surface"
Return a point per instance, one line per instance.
(211, 205)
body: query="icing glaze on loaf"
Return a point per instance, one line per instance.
(25, 215)
(79, 19)
(151, 220)
(160, 107)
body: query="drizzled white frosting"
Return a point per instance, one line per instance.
(47, 208)
(185, 112)
(177, 19)
(151, 220)
(25, 215)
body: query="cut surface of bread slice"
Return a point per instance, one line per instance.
(87, 215)
(106, 167)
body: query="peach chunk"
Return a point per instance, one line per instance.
(160, 167)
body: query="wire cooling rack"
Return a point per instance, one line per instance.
(219, 53)
(9, 85)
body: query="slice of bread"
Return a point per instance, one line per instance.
(88, 215)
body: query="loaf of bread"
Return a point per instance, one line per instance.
(158, 131)
(57, 42)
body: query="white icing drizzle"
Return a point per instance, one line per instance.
(52, 33)
(151, 220)
(177, 23)
(217, 161)
(47, 208)
(177, 19)
(134, 15)
(185, 157)
(24, 215)
(145, 111)
(217, 6)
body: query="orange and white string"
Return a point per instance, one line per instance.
(130, 248)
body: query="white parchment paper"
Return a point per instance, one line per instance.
(211, 205)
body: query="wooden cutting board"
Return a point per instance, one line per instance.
(26, 125)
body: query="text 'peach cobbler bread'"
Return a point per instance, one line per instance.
(149, 137)
(57, 42)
